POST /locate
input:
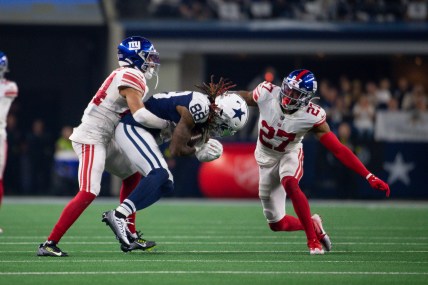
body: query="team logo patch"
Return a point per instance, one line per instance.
(135, 45)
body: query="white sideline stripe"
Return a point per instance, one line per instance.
(224, 228)
(231, 243)
(217, 272)
(231, 251)
(155, 237)
(64, 260)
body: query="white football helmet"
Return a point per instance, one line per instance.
(231, 115)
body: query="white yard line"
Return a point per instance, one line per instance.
(67, 260)
(268, 237)
(231, 251)
(121, 273)
(229, 243)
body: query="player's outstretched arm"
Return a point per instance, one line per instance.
(139, 112)
(247, 96)
(347, 157)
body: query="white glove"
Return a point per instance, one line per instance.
(209, 151)
(165, 134)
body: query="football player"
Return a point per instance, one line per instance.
(212, 116)
(286, 115)
(8, 92)
(123, 90)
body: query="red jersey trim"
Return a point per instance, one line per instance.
(130, 78)
(11, 94)
(320, 122)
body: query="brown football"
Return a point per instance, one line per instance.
(197, 136)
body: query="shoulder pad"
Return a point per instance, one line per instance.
(315, 113)
(263, 91)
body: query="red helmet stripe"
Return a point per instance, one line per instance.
(301, 74)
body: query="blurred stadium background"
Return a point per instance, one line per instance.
(370, 58)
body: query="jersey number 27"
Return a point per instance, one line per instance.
(267, 133)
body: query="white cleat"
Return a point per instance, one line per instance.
(316, 251)
(315, 247)
(117, 225)
(321, 234)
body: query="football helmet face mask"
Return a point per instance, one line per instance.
(140, 53)
(297, 89)
(231, 115)
(3, 64)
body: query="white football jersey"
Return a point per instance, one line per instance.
(280, 132)
(8, 92)
(103, 113)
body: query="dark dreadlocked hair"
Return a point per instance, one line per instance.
(213, 90)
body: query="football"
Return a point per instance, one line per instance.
(197, 137)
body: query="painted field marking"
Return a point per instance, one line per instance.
(65, 260)
(217, 272)
(228, 243)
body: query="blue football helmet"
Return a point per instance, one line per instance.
(140, 53)
(298, 89)
(3, 64)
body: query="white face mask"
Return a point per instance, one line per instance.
(149, 73)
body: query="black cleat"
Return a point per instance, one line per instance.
(49, 248)
(137, 243)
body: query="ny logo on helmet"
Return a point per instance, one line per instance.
(136, 45)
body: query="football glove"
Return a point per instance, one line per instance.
(209, 151)
(165, 134)
(378, 184)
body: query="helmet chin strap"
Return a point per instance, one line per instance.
(157, 79)
(149, 73)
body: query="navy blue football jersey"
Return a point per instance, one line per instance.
(164, 105)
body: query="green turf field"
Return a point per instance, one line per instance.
(202, 242)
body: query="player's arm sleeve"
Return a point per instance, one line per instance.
(148, 119)
(343, 153)
(139, 112)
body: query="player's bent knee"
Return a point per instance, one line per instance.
(280, 225)
(168, 187)
(269, 214)
(276, 227)
(160, 173)
(95, 191)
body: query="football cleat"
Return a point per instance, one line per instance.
(49, 248)
(137, 242)
(1, 230)
(322, 236)
(315, 247)
(117, 225)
